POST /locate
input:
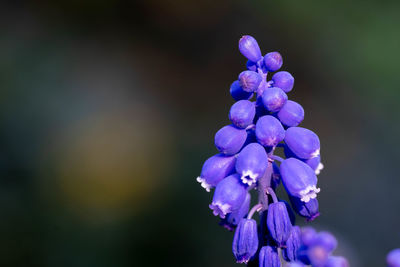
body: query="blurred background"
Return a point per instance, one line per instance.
(108, 110)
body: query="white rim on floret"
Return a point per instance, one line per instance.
(204, 183)
(248, 177)
(319, 168)
(316, 153)
(220, 209)
(309, 193)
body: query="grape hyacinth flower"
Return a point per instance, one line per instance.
(264, 121)
(245, 241)
(393, 258)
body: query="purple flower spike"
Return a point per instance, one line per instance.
(232, 219)
(308, 210)
(245, 241)
(338, 261)
(278, 222)
(302, 142)
(299, 179)
(242, 113)
(291, 114)
(269, 257)
(228, 196)
(283, 80)
(229, 139)
(251, 163)
(248, 46)
(249, 80)
(274, 99)
(215, 169)
(393, 258)
(292, 244)
(238, 93)
(269, 131)
(273, 61)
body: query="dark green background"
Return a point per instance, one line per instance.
(108, 110)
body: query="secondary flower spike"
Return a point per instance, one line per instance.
(265, 124)
(299, 179)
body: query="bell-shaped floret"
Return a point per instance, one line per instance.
(251, 163)
(238, 93)
(278, 222)
(292, 244)
(215, 169)
(299, 179)
(249, 48)
(302, 142)
(249, 80)
(274, 99)
(269, 131)
(393, 258)
(339, 261)
(308, 210)
(283, 80)
(242, 113)
(230, 139)
(269, 257)
(245, 240)
(291, 114)
(273, 61)
(228, 196)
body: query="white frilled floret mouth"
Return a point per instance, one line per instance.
(309, 193)
(319, 168)
(316, 153)
(204, 184)
(248, 177)
(220, 209)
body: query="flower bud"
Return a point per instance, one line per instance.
(269, 131)
(249, 48)
(229, 139)
(232, 219)
(269, 257)
(393, 258)
(298, 179)
(292, 244)
(291, 114)
(338, 261)
(238, 93)
(302, 142)
(228, 196)
(308, 210)
(251, 163)
(283, 80)
(215, 169)
(242, 113)
(274, 98)
(317, 255)
(249, 80)
(278, 222)
(273, 61)
(245, 240)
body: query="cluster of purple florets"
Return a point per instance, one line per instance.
(246, 161)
